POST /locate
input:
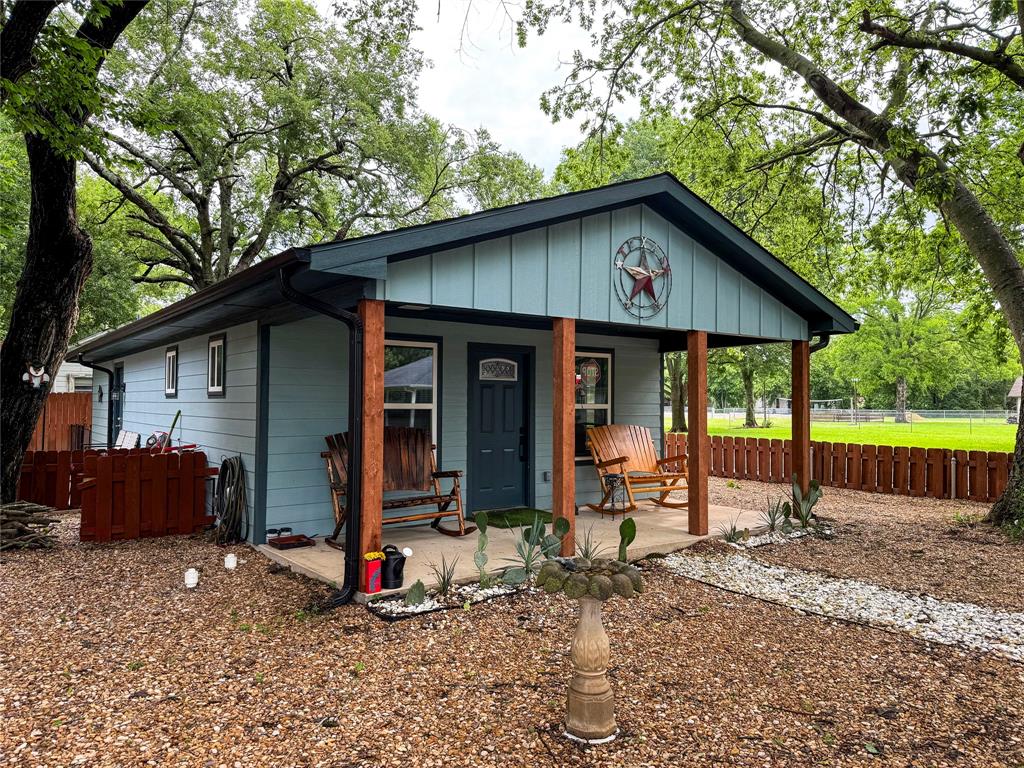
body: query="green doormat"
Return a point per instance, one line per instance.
(515, 517)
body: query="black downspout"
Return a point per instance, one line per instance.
(110, 388)
(353, 521)
(820, 344)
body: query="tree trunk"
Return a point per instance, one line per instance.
(747, 376)
(1010, 506)
(901, 400)
(58, 259)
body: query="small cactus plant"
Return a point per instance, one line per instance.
(417, 594)
(480, 556)
(627, 534)
(600, 579)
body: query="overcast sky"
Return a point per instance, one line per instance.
(491, 82)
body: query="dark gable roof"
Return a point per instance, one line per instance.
(253, 293)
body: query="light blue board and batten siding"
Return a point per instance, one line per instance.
(307, 399)
(220, 426)
(314, 351)
(567, 270)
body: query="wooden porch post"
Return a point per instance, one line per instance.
(371, 311)
(802, 413)
(563, 398)
(697, 430)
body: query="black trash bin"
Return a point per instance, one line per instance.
(393, 567)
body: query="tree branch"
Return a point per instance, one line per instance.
(998, 60)
(18, 37)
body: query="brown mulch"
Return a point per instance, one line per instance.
(106, 659)
(911, 544)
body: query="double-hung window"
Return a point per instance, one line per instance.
(593, 395)
(410, 385)
(215, 367)
(171, 372)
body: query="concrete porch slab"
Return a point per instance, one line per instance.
(659, 530)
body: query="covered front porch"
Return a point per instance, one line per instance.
(659, 530)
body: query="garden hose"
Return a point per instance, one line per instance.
(230, 505)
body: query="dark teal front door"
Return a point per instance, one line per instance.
(499, 440)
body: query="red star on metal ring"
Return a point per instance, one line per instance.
(643, 278)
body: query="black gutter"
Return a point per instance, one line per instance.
(820, 344)
(110, 389)
(354, 497)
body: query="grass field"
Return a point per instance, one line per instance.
(990, 435)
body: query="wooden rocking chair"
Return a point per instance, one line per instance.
(627, 450)
(409, 465)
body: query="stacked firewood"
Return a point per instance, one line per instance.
(25, 526)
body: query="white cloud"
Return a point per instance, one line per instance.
(481, 78)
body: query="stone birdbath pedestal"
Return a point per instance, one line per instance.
(590, 714)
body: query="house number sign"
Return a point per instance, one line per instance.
(643, 277)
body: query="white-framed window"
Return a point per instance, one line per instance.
(215, 367)
(171, 372)
(593, 395)
(410, 384)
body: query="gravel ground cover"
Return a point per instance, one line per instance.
(961, 624)
(909, 544)
(106, 660)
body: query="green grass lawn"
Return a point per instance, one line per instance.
(938, 433)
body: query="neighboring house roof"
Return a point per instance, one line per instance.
(1015, 390)
(340, 267)
(419, 374)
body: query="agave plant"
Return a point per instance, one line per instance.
(533, 547)
(777, 513)
(803, 506)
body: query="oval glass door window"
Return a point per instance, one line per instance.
(499, 369)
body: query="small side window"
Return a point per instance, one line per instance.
(215, 367)
(171, 372)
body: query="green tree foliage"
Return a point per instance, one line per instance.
(884, 98)
(110, 296)
(248, 127)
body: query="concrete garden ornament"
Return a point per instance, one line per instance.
(590, 713)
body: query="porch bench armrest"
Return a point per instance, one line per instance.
(612, 462)
(448, 473)
(672, 460)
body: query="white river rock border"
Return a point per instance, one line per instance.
(964, 625)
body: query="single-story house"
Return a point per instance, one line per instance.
(1013, 397)
(503, 332)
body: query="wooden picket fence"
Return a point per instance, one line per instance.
(123, 494)
(61, 412)
(939, 473)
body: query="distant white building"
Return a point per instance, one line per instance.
(72, 377)
(1014, 395)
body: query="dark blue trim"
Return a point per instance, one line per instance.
(259, 518)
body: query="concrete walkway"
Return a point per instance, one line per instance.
(659, 529)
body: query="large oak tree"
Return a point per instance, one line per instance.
(921, 94)
(51, 54)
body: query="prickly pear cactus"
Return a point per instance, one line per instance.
(600, 578)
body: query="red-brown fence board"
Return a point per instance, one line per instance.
(61, 411)
(933, 472)
(123, 494)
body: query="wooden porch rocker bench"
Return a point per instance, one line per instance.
(627, 450)
(409, 465)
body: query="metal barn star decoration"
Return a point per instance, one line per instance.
(644, 277)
